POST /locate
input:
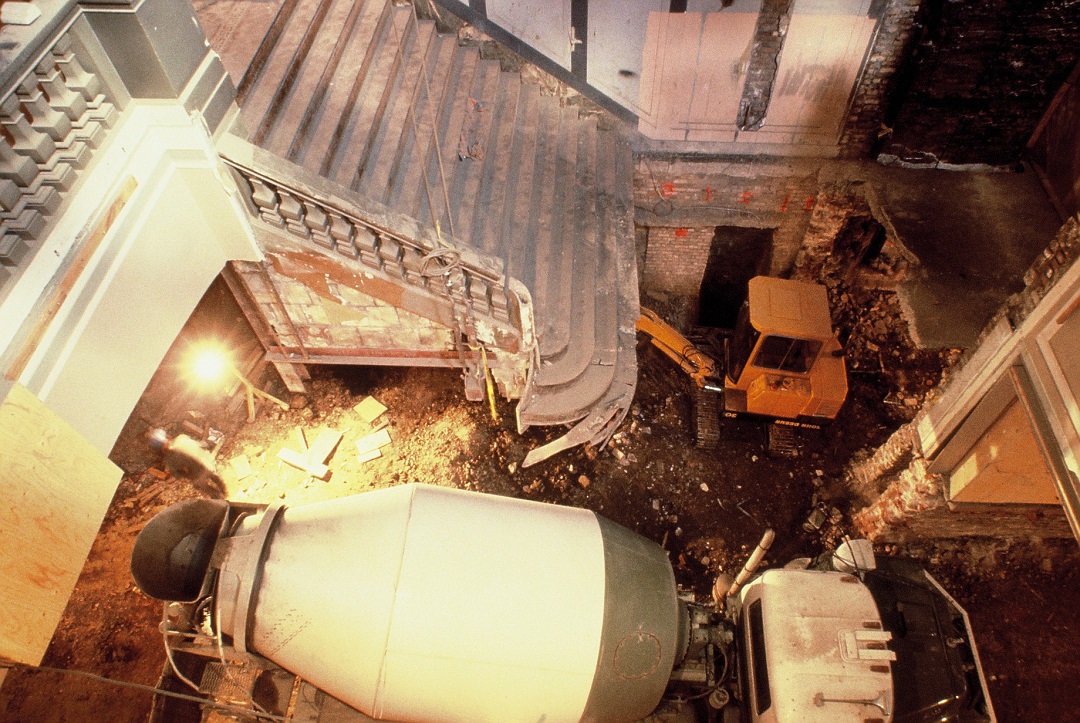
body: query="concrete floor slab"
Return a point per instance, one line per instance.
(975, 235)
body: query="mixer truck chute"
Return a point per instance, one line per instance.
(420, 603)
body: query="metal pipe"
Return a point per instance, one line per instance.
(752, 564)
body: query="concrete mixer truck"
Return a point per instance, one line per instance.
(423, 603)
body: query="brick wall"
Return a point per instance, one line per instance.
(672, 193)
(905, 502)
(983, 75)
(675, 259)
(882, 74)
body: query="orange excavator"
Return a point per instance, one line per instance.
(782, 363)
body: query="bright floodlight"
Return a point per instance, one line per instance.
(209, 365)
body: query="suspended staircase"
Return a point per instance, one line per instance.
(395, 173)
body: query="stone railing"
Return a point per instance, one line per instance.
(55, 111)
(491, 307)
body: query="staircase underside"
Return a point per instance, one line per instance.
(374, 101)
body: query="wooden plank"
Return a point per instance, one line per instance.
(369, 409)
(291, 377)
(49, 306)
(55, 488)
(375, 440)
(726, 39)
(817, 72)
(301, 462)
(324, 446)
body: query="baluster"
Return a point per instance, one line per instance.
(317, 222)
(367, 247)
(390, 253)
(292, 209)
(86, 83)
(266, 200)
(18, 168)
(27, 140)
(61, 97)
(43, 117)
(342, 232)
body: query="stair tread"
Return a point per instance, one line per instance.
(405, 176)
(378, 105)
(291, 102)
(474, 148)
(395, 126)
(359, 123)
(451, 121)
(267, 77)
(312, 148)
(496, 168)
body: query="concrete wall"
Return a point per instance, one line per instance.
(165, 219)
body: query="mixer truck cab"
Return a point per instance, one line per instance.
(783, 360)
(856, 642)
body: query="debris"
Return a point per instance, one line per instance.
(373, 441)
(300, 438)
(656, 505)
(815, 521)
(704, 487)
(193, 428)
(159, 473)
(512, 467)
(369, 409)
(368, 456)
(241, 466)
(619, 454)
(583, 481)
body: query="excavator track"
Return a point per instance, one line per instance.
(706, 418)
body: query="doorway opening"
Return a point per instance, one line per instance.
(736, 255)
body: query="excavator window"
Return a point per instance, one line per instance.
(742, 343)
(787, 354)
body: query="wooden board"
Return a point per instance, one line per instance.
(687, 99)
(54, 490)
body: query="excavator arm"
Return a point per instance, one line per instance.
(702, 369)
(698, 365)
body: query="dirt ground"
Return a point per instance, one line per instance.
(707, 508)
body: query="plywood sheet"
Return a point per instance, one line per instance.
(726, 39)
(693, 72)
(1005, 466)
(54, 490)
(818, 68)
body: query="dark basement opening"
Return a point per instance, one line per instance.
(736, 255)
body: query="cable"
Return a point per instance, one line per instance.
(151, 689)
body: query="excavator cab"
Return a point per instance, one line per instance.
(783, 360)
